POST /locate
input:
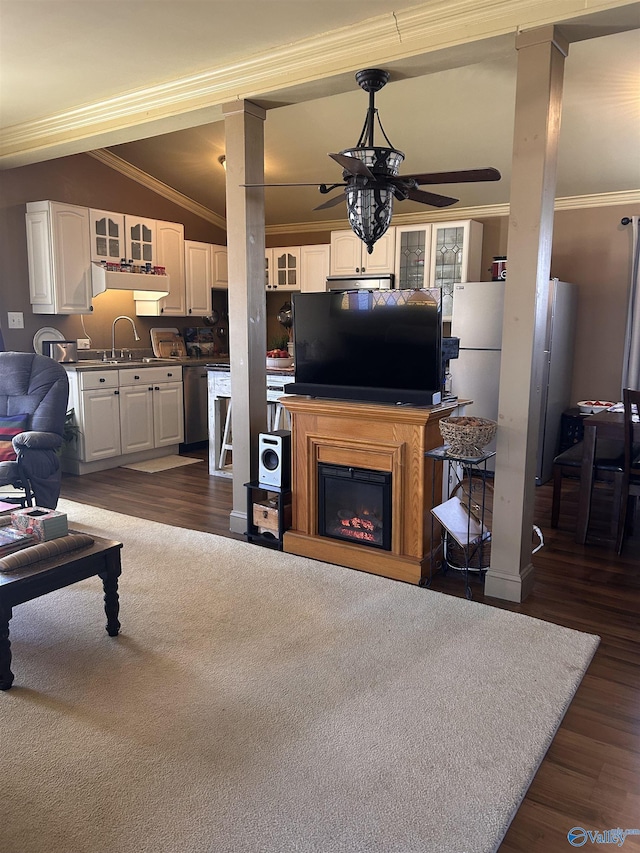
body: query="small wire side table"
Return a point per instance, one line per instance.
(464, 518)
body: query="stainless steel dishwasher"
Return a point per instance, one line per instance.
(195, 403)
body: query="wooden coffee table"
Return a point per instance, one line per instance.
(102, 559)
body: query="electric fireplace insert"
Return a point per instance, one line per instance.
(354, 505)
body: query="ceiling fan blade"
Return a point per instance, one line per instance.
(352, 165)
(298, 184)
(460, 177)
(332, 202)
(431, 198)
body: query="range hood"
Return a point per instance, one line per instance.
(149, 287)
(361, 282)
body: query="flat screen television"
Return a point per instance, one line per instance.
(380, 346)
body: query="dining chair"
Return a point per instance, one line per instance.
(608, 467)
(631, 474)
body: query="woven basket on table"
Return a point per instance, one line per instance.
(467, 435)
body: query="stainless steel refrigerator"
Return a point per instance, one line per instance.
(478, 309)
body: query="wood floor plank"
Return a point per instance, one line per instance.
(590, 776)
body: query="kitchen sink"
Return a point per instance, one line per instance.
(124, 361)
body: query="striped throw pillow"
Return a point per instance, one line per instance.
(10, 426)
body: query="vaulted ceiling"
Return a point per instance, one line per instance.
(145, 81)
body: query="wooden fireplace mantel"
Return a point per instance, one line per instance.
(372, 436)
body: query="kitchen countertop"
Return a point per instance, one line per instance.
(98, 364)
(221, 364)
(223, 368)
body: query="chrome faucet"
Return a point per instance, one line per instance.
(113, 332)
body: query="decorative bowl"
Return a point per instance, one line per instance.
(279, 363)
(592, 407)
(467, 435)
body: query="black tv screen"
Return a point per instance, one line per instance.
(373, 345)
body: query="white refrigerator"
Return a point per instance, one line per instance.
(478, 309)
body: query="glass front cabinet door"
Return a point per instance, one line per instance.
(140, 240)
(456, 255)
(107, 236)
(413, 252)
(282, 268)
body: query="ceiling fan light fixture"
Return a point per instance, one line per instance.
(381, 161)
(369, 210)
(370, 174)
(370, 202)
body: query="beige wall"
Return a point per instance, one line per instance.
(590, 248)
(593, 248)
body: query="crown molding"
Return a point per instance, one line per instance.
(139, 176)
(394, 36)
(479, 212)
(578, 202)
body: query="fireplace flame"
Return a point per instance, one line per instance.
(359, 527)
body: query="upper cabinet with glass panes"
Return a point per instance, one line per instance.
(438, 255)
(282, 268)
(107, 236)
(140, 243)
(456, 255)
(413, 255)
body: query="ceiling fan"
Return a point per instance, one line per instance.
(370, 175)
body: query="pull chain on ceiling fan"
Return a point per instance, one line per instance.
(370, 175)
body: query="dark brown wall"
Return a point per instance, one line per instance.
(84, 181)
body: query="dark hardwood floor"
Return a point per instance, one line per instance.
(590, 776)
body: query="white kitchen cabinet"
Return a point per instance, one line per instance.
(349, 254)
(282, 268)
(169, 253)
(140, 240)
(198, 276)
(95, 402)
(158, 419)
(456, 255)
(220, 268)
(107, 236)
(205, 268)
(168, 417)
(136, 418)
(123, 415)
(59, 258)
(170, 241)
(315, 262)
(413, 256)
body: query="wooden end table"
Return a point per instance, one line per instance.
(101, 559)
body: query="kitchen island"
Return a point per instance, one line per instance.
(219, 385)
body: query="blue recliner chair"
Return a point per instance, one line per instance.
(34, 392)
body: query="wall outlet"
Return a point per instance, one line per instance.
(16, 319)
(83, 343)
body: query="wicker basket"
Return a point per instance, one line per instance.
(467, 435)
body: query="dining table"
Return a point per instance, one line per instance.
(607, 424)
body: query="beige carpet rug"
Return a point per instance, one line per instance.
(258, 702)
(162, 463)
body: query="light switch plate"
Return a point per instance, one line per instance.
(16, 319)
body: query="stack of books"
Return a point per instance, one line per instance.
(12, 540)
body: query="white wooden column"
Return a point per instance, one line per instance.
(541, 56)
(244, 151)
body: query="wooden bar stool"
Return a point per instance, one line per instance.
(227, 435)
(275, 410)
